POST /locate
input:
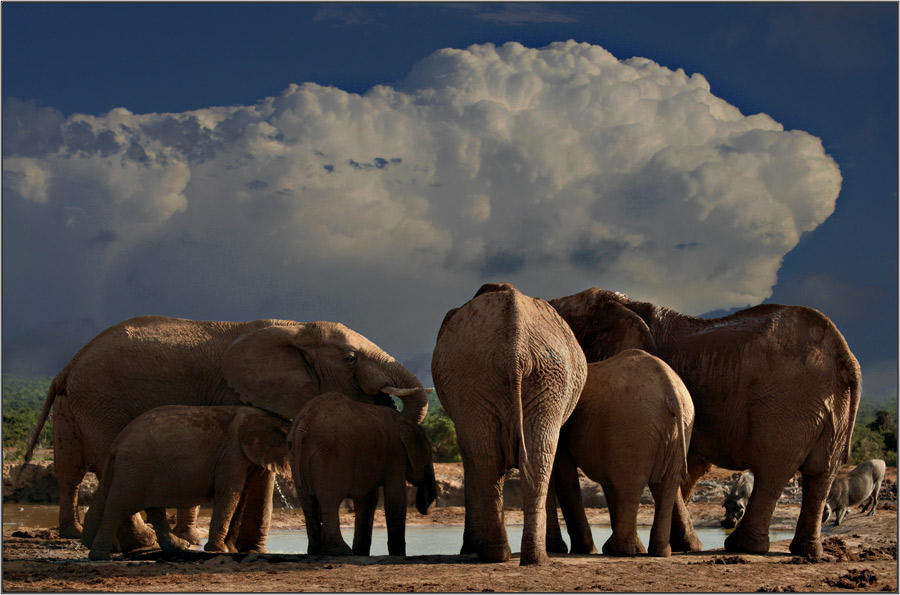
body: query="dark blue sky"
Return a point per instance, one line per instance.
(829, 69)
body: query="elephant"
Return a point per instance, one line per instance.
(508, 372)
(183, 456)
(150, 361)
(736, 500)
(859, 486)
(775, 390)
(630, 428)
(342, 448)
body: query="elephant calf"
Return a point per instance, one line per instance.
(736, 500)
(631, 427)
(179, 456)
(341, 448)
(859, 486)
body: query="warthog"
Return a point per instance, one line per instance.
(736, 500)
(859, 486)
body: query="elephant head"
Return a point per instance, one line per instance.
(263, 438)
(282, 366)
(419, 465)
(604, 324)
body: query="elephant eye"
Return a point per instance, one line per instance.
(350, 358)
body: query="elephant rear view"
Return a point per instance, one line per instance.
(509, 372)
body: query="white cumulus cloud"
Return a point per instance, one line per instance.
(556, 169)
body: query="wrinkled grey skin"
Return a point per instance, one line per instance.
(859, 486)
(178, 456)
(341, 448)
(631, 428)
(775, 390)
(736, 500)
(509, 372)
(151, 361)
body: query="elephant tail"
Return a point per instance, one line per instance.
(855, 385)
(45, 412)
(521, 453)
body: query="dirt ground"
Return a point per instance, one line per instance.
(861, 554)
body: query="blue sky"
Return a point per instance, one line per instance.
(375, 163)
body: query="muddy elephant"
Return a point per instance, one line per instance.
(508, 372)
(631, 428)
(150, 361)
(340, 448)
(182, 456)
(736, 500)
(859, 486)
(775, 390)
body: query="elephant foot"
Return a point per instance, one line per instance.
(618, 547)
(338, 549)
(584, 548)
(557, 545)
(808, 548)
(189, 534)
(223, 546)
(99, 552)
(136, 540)
(70, 530)
(534, 558)
(687, 543)
(499, 552)
(172, 545)
(663, 551)
(740, 542)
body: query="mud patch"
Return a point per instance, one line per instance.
(854, 579)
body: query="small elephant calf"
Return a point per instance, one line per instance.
(736, 500)
(859, 486)
(631, 428)
(341, 448)
(178, 456)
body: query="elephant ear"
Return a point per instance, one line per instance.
(270, 368)
(263, 439)
(617, 329)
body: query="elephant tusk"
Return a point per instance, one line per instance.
(403, 392)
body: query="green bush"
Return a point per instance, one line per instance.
(23, 399)
(442, 433)
(875, 440)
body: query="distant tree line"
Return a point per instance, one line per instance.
(874, 437)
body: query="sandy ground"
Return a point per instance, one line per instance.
(861, 554)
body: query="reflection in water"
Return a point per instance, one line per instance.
(439, 539)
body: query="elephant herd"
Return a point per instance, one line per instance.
(173, 413)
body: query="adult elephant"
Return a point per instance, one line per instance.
(150, 361)
(509, 372)
(775, 390)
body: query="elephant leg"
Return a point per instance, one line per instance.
(682, 536)
(134, 534)
(70, 466)
(254, 531)
(312, 516)
(365, 519)
(664, 497)
(809, 524)
(104, 542)
(186, 525)
(225, 504)
(171, 544)
(540, 444)
(395, 515)
(333, 543)
(623, 509)
(568, 489)
(555, 542)
(752, 533)
(485, 531)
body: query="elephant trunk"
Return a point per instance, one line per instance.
(426, 492)
(408, 388)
